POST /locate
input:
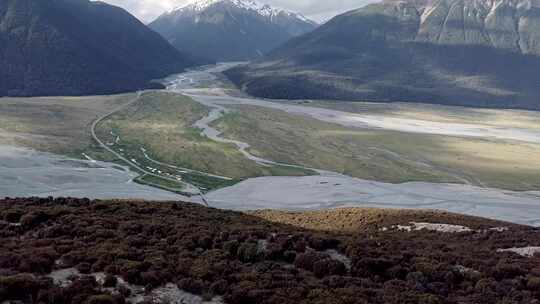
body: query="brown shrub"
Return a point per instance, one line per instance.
(33, 219)
(367, 267)
(328, 267)
(110, 281)
(321, 244)
(13, 216)
(84, 268)
(307, 260)
(209, 251)
(289, 256)
(231, 247)
(190, 285)
(102, 299)
(533, 283)
(19, 287)
(248, 252)
(506, 270)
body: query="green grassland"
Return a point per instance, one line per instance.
(383, 155)
(161, 124)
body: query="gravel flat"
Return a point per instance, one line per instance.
(25, 173)
(322, 192)
(331, 190)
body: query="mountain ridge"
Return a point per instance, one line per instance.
(229, 30)
(421, 51)
(79, 47)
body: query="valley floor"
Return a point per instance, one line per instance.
(248, 153)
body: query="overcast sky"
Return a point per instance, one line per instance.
(318, 10)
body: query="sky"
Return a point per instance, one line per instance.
(318, 10)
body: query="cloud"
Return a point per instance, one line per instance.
(148, 10)
(145, 10)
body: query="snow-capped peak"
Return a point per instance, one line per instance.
(250, 5)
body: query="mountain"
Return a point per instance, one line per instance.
(77, 47)
(461, 52)
(230, 30)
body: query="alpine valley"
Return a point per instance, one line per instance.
(482, 53)
(60, 47)
(230, 30)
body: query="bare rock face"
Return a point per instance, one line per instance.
(501, 26)
(529, 31)
(457, 52)
(512, 25)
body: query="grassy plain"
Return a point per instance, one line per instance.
(388, 156)
(160, 124)
(58, 125)
(438, 113)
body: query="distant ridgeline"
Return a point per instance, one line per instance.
(474, 53)
(77, 47)
(230, 30)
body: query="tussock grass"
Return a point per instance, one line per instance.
(388, 156)
(162, 123)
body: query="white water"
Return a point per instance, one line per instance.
(330, 190)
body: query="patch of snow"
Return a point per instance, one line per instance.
(447, 228)
(404, 228)
(64, 277)
(499, 229)
(524, 251)
(441, 228)
(170, 293)
(426, 13)
(59, 262)
(10, 224)
(262, 245)
(173, 295)
(264, 10)
(464, 270)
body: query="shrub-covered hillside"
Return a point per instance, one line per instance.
(80, 251)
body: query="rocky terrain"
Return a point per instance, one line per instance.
(230, 30)
(78, 47)
(472, 53)
(81, 251)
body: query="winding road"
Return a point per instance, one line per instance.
(189, 189)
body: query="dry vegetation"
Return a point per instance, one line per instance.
(212, 252)
(54, 124)
(355, 219)
(384, 155)
(438, 113)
